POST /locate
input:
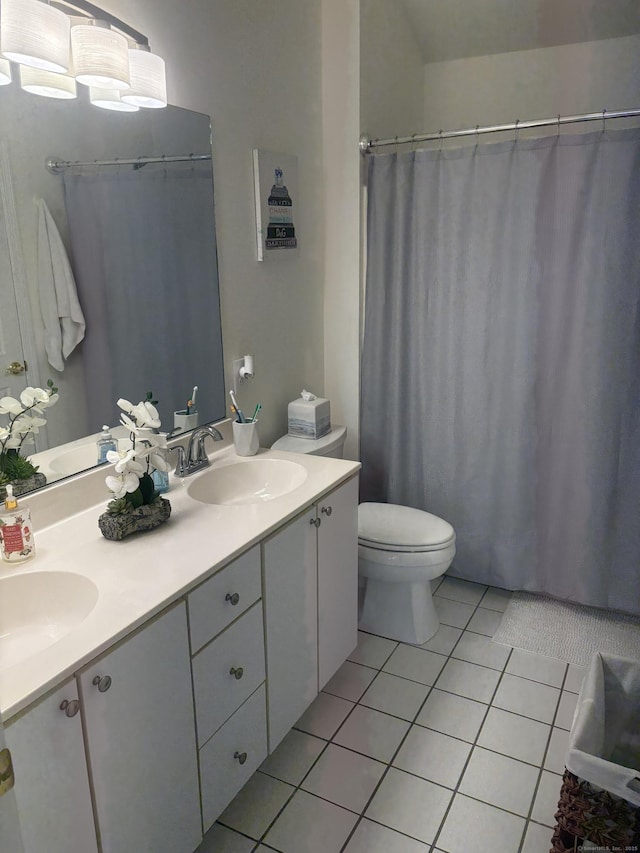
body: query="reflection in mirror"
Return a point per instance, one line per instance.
(140, 240)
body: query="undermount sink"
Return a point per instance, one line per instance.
(249, 482)
(38, 608)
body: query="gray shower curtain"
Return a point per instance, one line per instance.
(501, 357)
(144, 256)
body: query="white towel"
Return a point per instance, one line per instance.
(62, 315)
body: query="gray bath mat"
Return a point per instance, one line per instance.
(570, 632)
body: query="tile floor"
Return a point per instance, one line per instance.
(456, 746)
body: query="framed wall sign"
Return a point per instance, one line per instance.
(276, 195)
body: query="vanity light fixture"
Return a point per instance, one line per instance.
(110, 99)
(100, 55)
(5, 72)
(47, 84)
(35, 34)
(75, 41)
(148, 79)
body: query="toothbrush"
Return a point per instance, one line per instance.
(255, 414)
(193, 397)
(241, 417)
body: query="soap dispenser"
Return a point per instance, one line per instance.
(16, 532)
(105, 443)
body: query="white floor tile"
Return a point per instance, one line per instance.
(409, 805)
(394, 695)
(372, 733)
(345, 778)
(371, 650)
(537, 839)
(473, 827)
(325, 714)
(350, 681)
(537, 667)
(459, 590)
(416, 664)
(433, 756)
(476, 648)
(528, 698)
(485, 621)
(566, 710)
(452, 715)
(219, 839)
(514, 735)
(468, 679)
(293, 757)
(575, 675)
(546, 802)
(311, 825)
(371, 837)
(557, 751)
(444, 640)
(453, 613)
(500, 781)
(496, 599)
(256, 805)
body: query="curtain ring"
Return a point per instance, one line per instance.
(558, 126)
(413, 142)
(477, 135)
(440, 141)
(517, 130)
(604, 112)
(396, 148)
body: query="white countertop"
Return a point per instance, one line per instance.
(142, 574)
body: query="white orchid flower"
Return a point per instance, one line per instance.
(122, 485)
(146, 415)
(31, 396)
(125, 461)
(10, 406)
(125, 405)
(159, 462)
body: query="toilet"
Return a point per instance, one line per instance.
(331, 444)
(400, 551)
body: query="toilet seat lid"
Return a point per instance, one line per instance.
(385, 525)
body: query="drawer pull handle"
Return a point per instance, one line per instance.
(103, 683)
(232, 599)
(315, 521)
(237, 673)
(327, 510)
(241, 756)
(70, 708)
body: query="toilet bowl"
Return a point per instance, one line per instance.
(400, 551)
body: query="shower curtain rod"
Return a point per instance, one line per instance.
(58, 166)
(366, 145)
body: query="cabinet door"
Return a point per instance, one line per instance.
(291, 623)
(337, 579)
(138, 712)
(52, 786)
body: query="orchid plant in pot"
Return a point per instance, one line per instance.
(136, 505)
(24, 421)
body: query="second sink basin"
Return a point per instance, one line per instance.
(249, 482)
(38, 608)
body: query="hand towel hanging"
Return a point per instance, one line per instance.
(62, 315)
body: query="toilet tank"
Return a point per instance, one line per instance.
(331, 444)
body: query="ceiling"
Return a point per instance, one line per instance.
(458, 29)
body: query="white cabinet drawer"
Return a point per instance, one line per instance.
(223, 598)
(217, 689)
(243, 738)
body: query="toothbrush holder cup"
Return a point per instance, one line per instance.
(245, 438)
(184, 421)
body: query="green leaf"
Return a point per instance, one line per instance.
(147, 488)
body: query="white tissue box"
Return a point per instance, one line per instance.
(309, 418)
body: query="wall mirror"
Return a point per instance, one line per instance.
(141, 242)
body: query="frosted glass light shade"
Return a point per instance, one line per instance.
(148, 80)
(5, 72)
(100, 57)
(47, 84)
(109, 99)
(35, 34)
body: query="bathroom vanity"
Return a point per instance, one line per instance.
(208, 638)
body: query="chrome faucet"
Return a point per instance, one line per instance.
(195, 459)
